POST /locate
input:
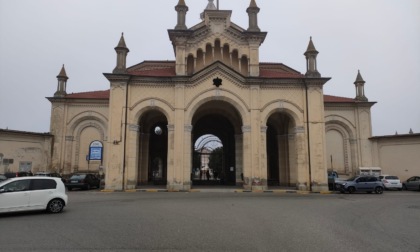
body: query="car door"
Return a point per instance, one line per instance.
(413, 183)
(361, 184)
(15, 196)
(42, 191)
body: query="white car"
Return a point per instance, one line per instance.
(391, 182)
(32, 193)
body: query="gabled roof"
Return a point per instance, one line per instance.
(167, 69)
(104, 94)
(337, 99)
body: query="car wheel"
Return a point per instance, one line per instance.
(55, 206)
(379, 190)
(351, 189)
(404, 188)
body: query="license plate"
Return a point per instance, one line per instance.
(74, 181)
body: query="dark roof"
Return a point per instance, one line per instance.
(25, 132)
(104, 94)
(337, 99)
(167, 69)
(396, 136)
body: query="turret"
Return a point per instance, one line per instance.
(182, 9)
(253, 11)
(360, 88)
(122, 52)
(62, 83)
(311, 65)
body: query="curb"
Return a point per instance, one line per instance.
(233, 191)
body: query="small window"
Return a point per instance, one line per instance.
(43, 184)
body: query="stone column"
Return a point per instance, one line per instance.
(247, 152)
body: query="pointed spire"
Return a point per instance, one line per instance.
(122, 52)
(359, 78)
(396, 133)
(360, 88)
(411, 131)
(311, 47)
(253, 4)
(182, 10)
(253, 11)
(311, 63)
(121, 44)
(211, 6)
(62, 83)
(62, 73)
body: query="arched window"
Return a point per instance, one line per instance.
(209, 54)
(190, 65)
(200, 59)
(235, 59)
(226, 55)
(244, 65)
(217, 50)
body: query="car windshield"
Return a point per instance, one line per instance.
(391, 177)
(78, 176)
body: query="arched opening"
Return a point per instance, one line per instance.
(281, 164)
(244, 65)
(235, 59)
(190, 65)
(217, 50)
(216, 142)
(153, 149)
(226, 55)
(200, 59)
(208, 160)
(209, 54)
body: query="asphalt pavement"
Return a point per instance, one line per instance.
(219, 221)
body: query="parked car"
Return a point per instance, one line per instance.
(48, 174)
(391, 182)
(17, 174)
(367, 184)
(412, 183)
(83, 181)
(32, 193)
(2, 177)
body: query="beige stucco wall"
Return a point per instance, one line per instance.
(26, 147)
(398, 155)
(75, 124)
(348, 129)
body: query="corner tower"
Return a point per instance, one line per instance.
(62, 83)
(217, 38)
(360, 88)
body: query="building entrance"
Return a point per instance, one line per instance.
(215, 135)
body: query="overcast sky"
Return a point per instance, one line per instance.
(379, 37)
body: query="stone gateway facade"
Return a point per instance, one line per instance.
(275, 124)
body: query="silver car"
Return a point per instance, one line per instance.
(412, 183)
(367, 184)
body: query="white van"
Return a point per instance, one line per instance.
(370, 171)
(32, 193)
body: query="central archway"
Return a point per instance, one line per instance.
(220, 122)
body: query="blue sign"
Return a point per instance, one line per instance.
(95, 150)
